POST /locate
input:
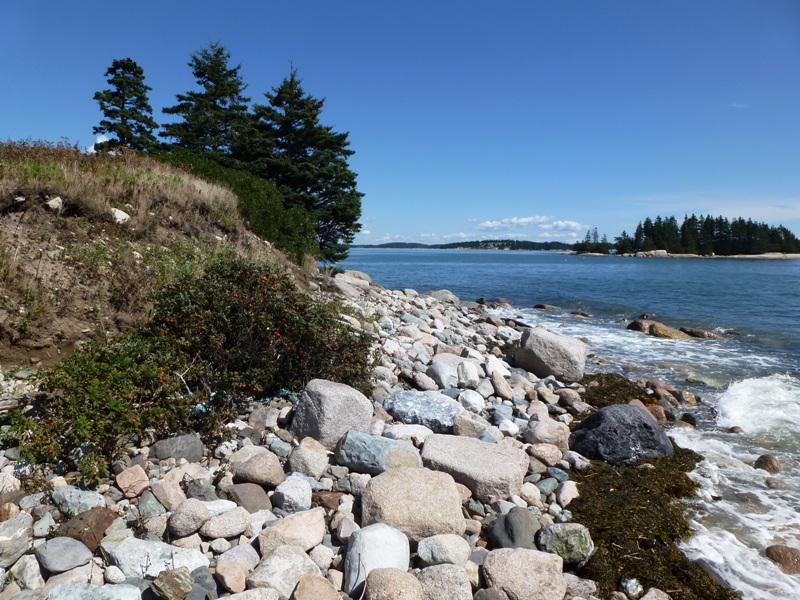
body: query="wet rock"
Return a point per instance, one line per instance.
(544, 352)
(620, 435)
(700, 333)
(418, 502)
(328, 410)
(769, 463)
(364, 453)
(786, 557)
(490, 471)
(660, 330)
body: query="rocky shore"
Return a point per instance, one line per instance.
(454, 480)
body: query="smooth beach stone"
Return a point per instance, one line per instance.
(304, 529)
(445, 582)
(515, 529)
(372, 547)
(392, 584)
(61, 554)
(365, 453)
(15, 540)
(187, 446)
(444, 549)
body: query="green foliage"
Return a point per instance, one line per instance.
(209, 117)
(214, 341)
(708, 235)
(127, 111)
(260, 202)
(248, 327)
(285, 142)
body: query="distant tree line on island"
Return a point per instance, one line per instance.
(696, 235)
(477, 245)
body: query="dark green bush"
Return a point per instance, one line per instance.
(214, 342)
(241, 326)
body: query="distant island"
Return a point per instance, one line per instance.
(475, 245)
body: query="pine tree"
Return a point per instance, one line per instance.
(286, 143)
(211, 116)
(127, 111)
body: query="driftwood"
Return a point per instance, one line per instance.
(31, 398)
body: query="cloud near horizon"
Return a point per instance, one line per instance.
(512, 223)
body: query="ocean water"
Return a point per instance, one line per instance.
(749, 379)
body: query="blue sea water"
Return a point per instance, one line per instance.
(750, 378)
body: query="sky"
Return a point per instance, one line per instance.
(472, 120)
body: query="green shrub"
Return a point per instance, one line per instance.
(245, 327)
(215, 340)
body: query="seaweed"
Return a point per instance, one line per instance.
(635, 517)
(603, 389)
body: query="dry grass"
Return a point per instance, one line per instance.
(76, 274)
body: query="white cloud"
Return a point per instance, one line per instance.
(428, 236)
(512, 223)
(366, 232)
(100, 138)
(459, 236)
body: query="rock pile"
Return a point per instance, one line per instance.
(452, 481)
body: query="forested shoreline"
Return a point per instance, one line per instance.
(703, 235)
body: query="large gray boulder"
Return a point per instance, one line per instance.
(365, 453)
(328, 410)
(491, 471)
(432, 409)
(544, 353)
(620, 434)
(187, 446)
(15, 540)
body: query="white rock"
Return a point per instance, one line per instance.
(373, 547)
(281, 570)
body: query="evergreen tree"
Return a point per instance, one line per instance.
(127, 111)
(209, 117)
(286, 143)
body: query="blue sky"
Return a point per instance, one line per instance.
(470, 120)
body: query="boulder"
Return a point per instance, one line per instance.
(365, 453)
(620, 434)
(227, 525)
(786, 557)
(188, 517)
(419, 502)
(263, 468)
(522, 573)
(310, 458)
(72, 500)
(700, 333)
(641, 325)
(376, 546)
(431, 409)
(87, 591)
(769, 463)
(544, 353)
(15, 540)
(660, 330)
(61, 554)
(491, 471)
(315, 587)
(293, 495)
(548, 432)
(328, 410)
